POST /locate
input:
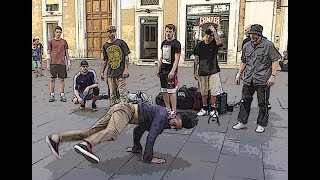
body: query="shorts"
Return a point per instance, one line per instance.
(58, 70)
(168, 85)
(211, 82)
(36, 64)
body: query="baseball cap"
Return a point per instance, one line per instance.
(84, 63)
(37, 37)
(110, 28)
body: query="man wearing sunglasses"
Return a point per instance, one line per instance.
(85, 86)
(148, 117)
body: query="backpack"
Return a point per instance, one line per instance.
(185, 97)
(159, 100)
(138, 97)
(197, 101)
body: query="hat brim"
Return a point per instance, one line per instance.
(255, 32)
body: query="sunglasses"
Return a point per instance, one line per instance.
(58, 31)
(84, 66)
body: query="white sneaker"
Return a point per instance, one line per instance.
(259, 129)
(173, 112)
(214, 113)
(238, 126)
(202, 112)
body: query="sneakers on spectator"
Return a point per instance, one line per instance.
(94, 107)
(54, 147)
(239, 125)
(173, 112)
(168, 110)
(87, 152)
(63, 99)
(260, 129)
(214, 113)
(82, 106)
(202, 112)
(51, 98)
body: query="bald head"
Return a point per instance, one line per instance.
(247, 29)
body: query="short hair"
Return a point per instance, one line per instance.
(189, 119)
(171, 26)
(58, 27)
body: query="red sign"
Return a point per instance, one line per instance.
(209, 20)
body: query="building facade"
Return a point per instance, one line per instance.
(141, 23)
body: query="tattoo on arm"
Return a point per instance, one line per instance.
(196, 63)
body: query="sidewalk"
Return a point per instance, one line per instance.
(206, 152)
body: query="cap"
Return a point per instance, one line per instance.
(37, 37)
(84, 63)
(110, 28)
(256, 29)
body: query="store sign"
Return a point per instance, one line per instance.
(209, 20)
(207, 9)
(220, 8)
(194, 10)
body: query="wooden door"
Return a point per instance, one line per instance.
(98, 18)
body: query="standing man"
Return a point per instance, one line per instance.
(259, 60)
(40, 46)
(85, 86)
(206, 70)
(58, 62)
(115, 54)
(168, 68)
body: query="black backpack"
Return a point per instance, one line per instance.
(185, 97)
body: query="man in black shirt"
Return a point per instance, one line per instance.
(116, 56)
(168, 68)
(206, 70)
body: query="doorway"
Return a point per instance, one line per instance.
(50, 30)
(149, 38)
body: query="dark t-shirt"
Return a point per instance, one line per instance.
(39, 45)
(152, 118)
(169, 49)
(114, 53)
(208, 63)
(82, 81)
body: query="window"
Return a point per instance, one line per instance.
(52, 7)
(149, 2)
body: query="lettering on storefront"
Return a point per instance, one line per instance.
(209, 20)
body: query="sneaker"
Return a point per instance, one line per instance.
(260, 129)
(87, 152)
(82, 106)
(94, 107)
(173, 112)
(202, 112)
(54, 147)
(238, 126)
(214, 113)
(51, 98)
(63, 99)
(168, 110)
